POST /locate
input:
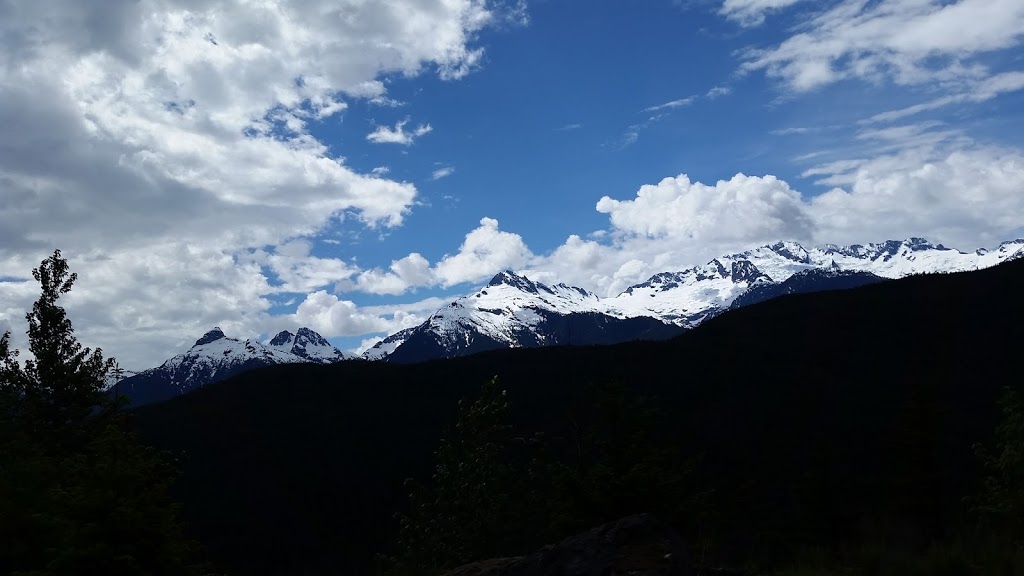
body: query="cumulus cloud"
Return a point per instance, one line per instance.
(398, 135)
(742, 208)
(405, 273)
(164, 143)
(485, 251)
(328, 314)
(967, 198)
(907, 41)
(297, 270)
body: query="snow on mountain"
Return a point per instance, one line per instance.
(112, 378)
(308, 345)
(508, 304)
(514, 311)
(688, 297)
(381, 349)
(811, 280)
(215, 357)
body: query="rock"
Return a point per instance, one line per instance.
(637, 545)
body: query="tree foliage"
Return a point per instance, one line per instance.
(1001, 502)
(79, 494)
(496, 491)
(486, 484)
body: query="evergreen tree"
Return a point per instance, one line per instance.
(79, 494)
(497, 492)
(1001, 502)
(485, 492)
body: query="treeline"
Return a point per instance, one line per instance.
(79, 493)
(498, 490)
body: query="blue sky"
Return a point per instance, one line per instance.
(350, 166)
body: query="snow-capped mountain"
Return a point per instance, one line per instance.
(381, 349)
(215, 357)
(308, 345)
(514, 311)
(812, 280)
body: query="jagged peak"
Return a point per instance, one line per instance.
(211, 336)
(790, 250)
(510, 278)
(576, 289)
(311, 336)
(745, 271)
(283, 337)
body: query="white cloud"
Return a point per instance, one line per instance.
(366, 344)
(166, 146)
(740, 209)
(967, 198)
(398, 135)
(906, 41)
(752, 12)
(672, 104)
(717, 92)
(983, 90)
(442, 172)
(405, 273)
(328, 314)
(485, 251)
(297, 270)
(380, 170)
(568, 127)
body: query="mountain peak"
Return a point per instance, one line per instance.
(309, 336)
(791, 251)
(283, 337)
(510, 278)
(211, 336)
(746, 271)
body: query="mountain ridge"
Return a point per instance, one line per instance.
(512, 310)
(215, 357)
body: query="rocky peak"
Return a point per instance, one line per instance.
(791, 251)
(510, 278)
(211, 336)
(305, 336)
(283, 337)
(745, 271)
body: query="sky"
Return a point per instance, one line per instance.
(353, 165)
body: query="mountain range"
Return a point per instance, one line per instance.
(513, 311)
(836, 420)
(215, 357)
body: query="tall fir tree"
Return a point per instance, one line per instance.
(79, 494)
